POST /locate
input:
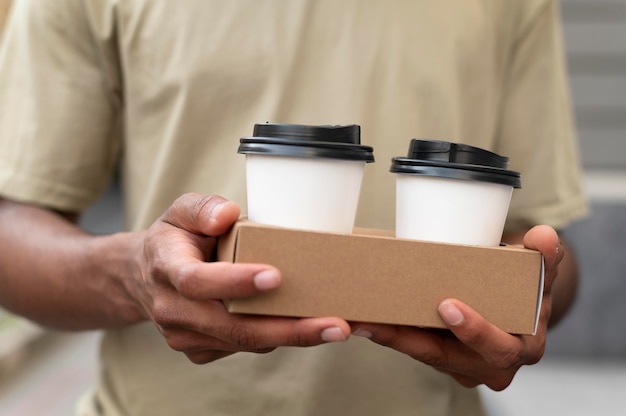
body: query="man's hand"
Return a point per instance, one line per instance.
(474, 351)
(182, 292)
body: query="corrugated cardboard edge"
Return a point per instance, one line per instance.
(540, 294)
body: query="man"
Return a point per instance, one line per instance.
(163, 91)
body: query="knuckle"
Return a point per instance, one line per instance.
(536, 355)
(177, 343)
(433, 353)
(162, 314)
(207, 202)
(505, 360)
(500, 383)
(526, 353)
(387, 338)
(298, 339)
(187, 208)
(155, 263)
(175, 339)
(475, 337)
(244, 337)
(186, 280)
(199, 358)
(180, 202)
(433, 359)
(157, 268)
(185, 199)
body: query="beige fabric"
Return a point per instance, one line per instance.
(167, 88)
(4, 12)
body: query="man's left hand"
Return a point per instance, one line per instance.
(474, 351)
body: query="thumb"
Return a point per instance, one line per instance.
(546, 240)
(210, 215)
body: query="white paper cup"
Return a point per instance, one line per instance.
(451, 210)
(305, 177)
(452, 193)
(302, 193)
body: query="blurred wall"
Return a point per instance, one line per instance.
(595, 36)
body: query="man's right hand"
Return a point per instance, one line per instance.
(182, 292)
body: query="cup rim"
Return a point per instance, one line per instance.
(451, 170)
(308, 149)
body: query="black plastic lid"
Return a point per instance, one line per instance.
(334, 142)
(455, 160)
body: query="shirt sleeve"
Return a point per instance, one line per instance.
(60, 124)
(537, 129)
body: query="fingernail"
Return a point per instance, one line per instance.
(450, 313)
(266, 280)
(333, 334)
(362, 333)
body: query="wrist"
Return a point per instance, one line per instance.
(115, 257)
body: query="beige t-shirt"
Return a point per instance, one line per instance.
(4, 10)
(165, 89)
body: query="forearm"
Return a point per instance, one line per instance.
(55, 274)
(565, 286)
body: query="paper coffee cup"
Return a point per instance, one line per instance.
(452, 193)
(304, 177)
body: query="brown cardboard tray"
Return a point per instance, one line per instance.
(371, 276)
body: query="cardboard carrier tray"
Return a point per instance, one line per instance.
(370, 276)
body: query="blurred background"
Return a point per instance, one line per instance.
(584, 368)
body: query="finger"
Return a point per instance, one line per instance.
(440, 350)
(188, 341)
(223, 280)
(497, 380)
(259, 332)
(421, 344)
(496, 347)
(206, 356)
(199, 348)
(181, 324)
(546, 240)
(248, 332)
(210, 215)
